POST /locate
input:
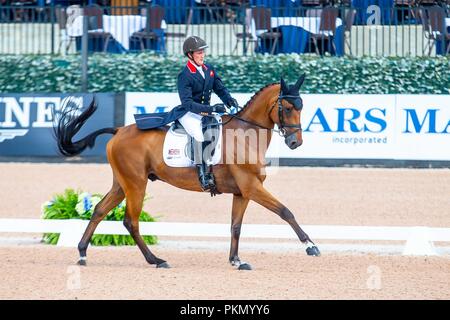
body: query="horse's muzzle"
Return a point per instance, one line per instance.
(292, 142)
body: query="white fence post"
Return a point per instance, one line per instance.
(418, 243)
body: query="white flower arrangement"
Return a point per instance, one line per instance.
(81, 205)
(87, 203)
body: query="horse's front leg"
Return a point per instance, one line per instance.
(260, 195)
(239, 206)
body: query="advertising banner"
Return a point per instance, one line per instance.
(343, 126)
(396, 127)
(26, 123)
(423, 127)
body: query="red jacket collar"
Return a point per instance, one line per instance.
(192, 68)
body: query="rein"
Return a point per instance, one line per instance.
(282, 131)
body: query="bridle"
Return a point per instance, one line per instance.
(282, 131)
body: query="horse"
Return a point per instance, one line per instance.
(135, 157)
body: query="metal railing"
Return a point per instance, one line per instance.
(230, 30)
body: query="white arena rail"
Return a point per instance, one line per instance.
(419, 240)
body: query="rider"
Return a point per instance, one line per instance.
(195, 83)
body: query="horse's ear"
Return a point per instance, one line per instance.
(284, 87)
(299, 82)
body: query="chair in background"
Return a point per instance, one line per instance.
(435, 28)
(231, 7)
(246, 35)
(5, 13)
(207, 11)
(403, 9)
(208, 3)
(423, 16)
(71, 13)
(349, 20)
(155, 16)
(416, 13)
(21, 10)
(61, 19)
(327, 27)
(262, 16)
(181, 34)
(95, 28)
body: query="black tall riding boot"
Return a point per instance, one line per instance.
(206, 181)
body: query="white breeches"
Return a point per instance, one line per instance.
(192, 123)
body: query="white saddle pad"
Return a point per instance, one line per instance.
(175, 149)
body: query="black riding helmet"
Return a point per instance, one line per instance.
(192, 44)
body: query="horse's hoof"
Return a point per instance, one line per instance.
(82, 262)
(245, 266)
(313, 251)
(163, 265)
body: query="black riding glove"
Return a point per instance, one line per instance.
(218, 108)
(232, 103)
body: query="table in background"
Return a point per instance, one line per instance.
(296, 33)
(121, 29)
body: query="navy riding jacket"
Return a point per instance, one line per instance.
(195, 95)
(195, 92)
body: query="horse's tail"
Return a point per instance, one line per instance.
(69, 121)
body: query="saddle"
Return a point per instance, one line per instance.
(178, 148)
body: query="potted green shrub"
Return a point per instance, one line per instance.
(80, 205)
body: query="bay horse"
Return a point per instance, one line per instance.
(135, 156)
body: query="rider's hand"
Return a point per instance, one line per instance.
(218, 108)
(232, 103)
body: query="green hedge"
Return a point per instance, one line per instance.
(150, 73)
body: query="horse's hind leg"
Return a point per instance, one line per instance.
(135, 197)
(109, 202)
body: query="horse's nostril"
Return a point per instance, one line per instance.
(293, 143)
